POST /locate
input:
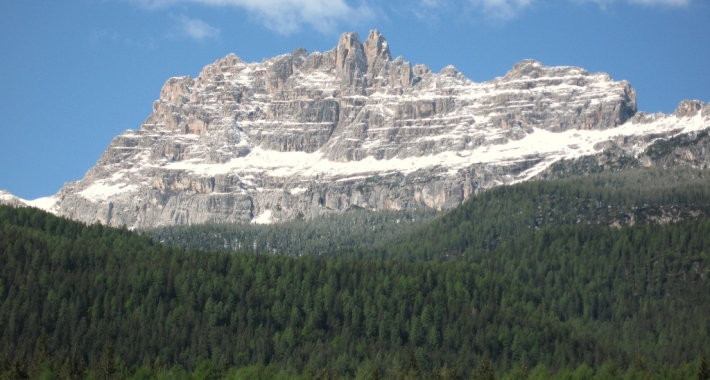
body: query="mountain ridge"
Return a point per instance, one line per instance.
(302, 135)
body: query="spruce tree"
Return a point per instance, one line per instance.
(107, 363)
(375, 375)
(452, 373)
(42, 355)
(704, 368)
(73, 367)
(19, 369)
(485, 370)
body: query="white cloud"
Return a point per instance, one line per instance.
(432, 3)
(284, 16)
(672, 3)
(427, 11)
(494, 9)
(327, 16)
(502, 9)
(507, 9)
(197, 29)
(675, 3)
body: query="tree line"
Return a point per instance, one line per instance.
(629, 197)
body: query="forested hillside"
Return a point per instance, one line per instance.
(506, 213)
(560, 297)
(630, 197)
(357, 229)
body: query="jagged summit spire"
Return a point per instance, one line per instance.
(376, 46)
(359, 63)
(350, 53)
(351, 63)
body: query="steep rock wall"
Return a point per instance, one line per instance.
(302, 135)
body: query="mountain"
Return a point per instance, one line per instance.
(302, 135)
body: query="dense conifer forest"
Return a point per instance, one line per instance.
(506, 213)
(328, 235)
(629, 197)
(532, 281)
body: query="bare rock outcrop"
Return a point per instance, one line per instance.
(689, 108)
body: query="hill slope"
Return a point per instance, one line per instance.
(571, 294)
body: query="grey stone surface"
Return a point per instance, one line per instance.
(689, 108)
(302, 135)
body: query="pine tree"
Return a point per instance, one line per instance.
(324, 376)
(525, 369)
(639, 364)
(226, 365)
(107, 363)
(42, 355)
(436, 374)
(704, 368)
(452, 373)
(6, 365)
(158, 365)
(73, 367)
(485, 370)
(412, 372)
(19, 369)
(375, 375)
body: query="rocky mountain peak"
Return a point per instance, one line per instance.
(449, 71)
(527, 68)
(302, 135)
(689, 108)
(376, 48)
(532, 69)
(351, 63)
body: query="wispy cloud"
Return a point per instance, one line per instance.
(284, 16)
(501, 9)
(98, 35)
(427, 10)
(196, 29)
(491, 9)
(676, 3)
(672, 3)
(328, 16)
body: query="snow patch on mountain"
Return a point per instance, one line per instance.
(101, 191)
(49, 204)
(264, 218)
(539, 142)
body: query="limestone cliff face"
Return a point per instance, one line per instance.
(301, 135)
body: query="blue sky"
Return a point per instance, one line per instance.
(77, 73)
